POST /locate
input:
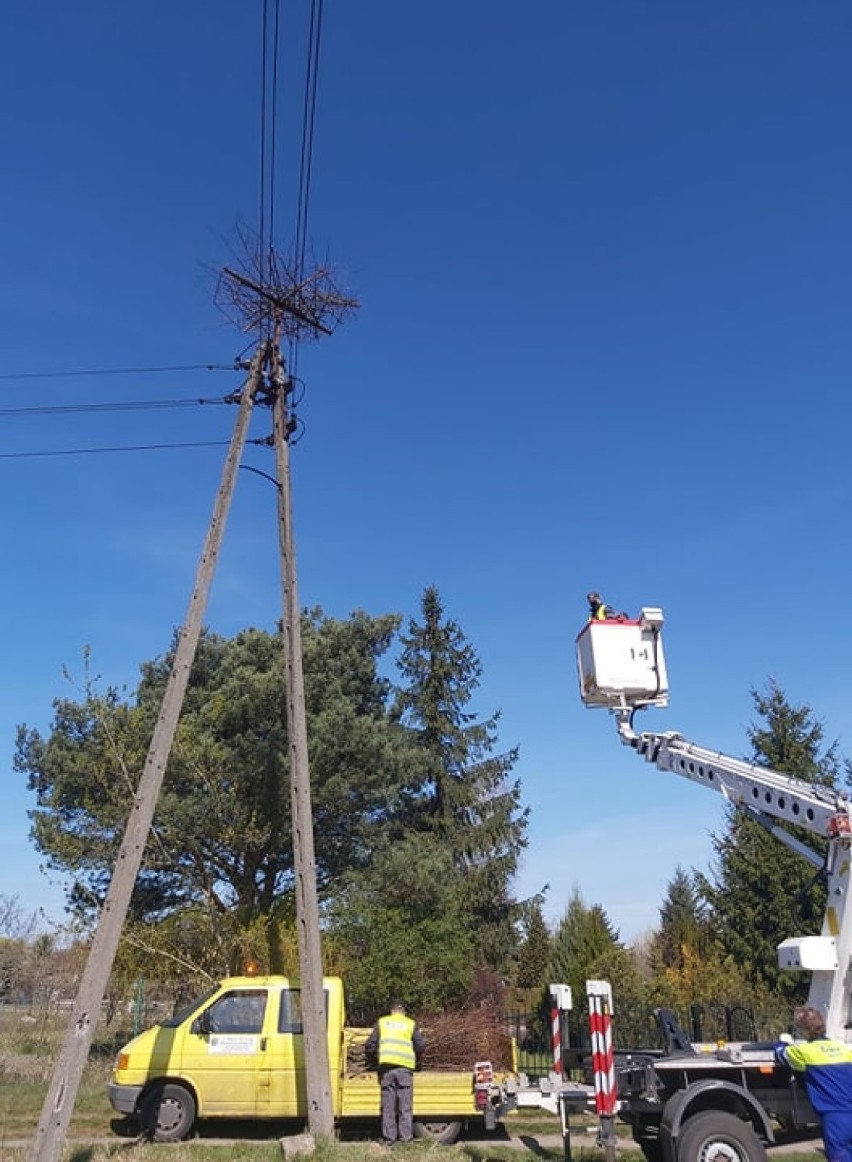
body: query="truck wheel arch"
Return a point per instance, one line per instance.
(711, 1096)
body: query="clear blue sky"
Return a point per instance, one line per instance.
(604, 255)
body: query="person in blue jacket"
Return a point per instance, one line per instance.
(827, 1069)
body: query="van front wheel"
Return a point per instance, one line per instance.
(167, 1113)
(444, 1133)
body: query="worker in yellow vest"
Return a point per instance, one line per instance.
(397, 1045)
(600, 611)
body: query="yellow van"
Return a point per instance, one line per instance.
(238, 1052)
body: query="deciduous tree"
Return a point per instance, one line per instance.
(221, 837)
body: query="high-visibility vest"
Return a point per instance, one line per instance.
(396, 1041)
(827, 1066)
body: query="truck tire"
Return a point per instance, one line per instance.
(719, 1137)
(442, 1133)
(167, 1113)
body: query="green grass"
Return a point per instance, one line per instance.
(28, 1048)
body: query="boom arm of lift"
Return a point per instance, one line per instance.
(769, 797)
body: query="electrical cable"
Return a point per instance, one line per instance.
(130, 447)
(269, 48)
(273, 128)
(117, 371)
(137, 405)
(307, 144)
(306, 157)
(261, 212)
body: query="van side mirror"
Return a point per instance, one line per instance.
(201, 1024)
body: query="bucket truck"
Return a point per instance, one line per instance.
(722, 1105)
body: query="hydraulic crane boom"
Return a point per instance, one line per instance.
(764, 794)
(621, 667)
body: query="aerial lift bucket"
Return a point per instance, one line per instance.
(621, 663)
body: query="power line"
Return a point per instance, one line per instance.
(139, 405)
(269, 50)
(119, 371)
(261, 182)
(119, 448)
(307, 144)
(306, 154)
(273, 129)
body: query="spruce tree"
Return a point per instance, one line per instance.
(760, 892)
(683, 922)
(535, 951)
(583, 940)
(463, 794)
(586, 946)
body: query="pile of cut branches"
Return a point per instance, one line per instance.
(455, 1040)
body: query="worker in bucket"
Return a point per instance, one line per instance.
(827, 1069)
(397, 1044)
(600, 611)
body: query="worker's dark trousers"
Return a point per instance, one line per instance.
(397, 1084)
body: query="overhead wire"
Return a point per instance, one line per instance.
(116, 371)
(273, 128)
(306, 156)
(128, 406)
(261, 182)
(269, 52)
(121, 448)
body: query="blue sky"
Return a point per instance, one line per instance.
(603, 254)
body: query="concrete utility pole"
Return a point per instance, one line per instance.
(320, 1110)
(59, 1103)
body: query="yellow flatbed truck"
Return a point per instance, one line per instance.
(238, 1052)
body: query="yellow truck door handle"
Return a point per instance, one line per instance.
(263, 1041)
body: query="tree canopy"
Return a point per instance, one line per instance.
(417, 828)
(221, 832)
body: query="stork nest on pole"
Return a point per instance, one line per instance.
(267, 292)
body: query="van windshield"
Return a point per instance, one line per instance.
(187, 1011)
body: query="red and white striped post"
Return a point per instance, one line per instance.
(599, 993)
(560, 1002)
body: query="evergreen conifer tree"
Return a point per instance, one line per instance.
(760, 891)
(463, 793)
(535, 950)
(683, 922)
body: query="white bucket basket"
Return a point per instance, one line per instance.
(621, 662)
